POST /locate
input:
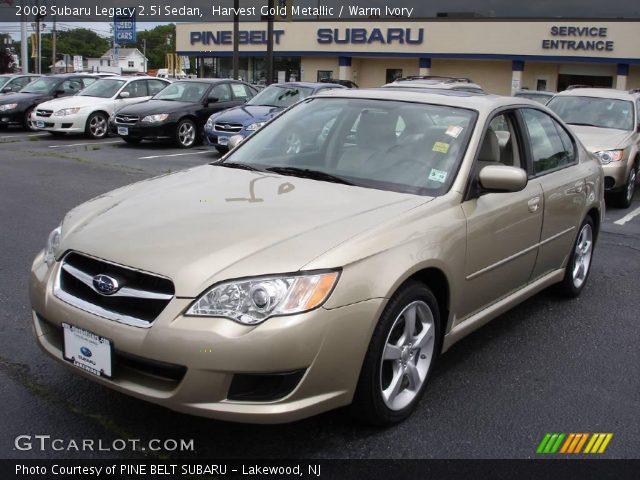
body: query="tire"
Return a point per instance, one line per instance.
(132, 140)
(408, 361)
(580, 260)
(222, 150)
(625, 196)
(27, 123)
(97, 125)
(186, 135)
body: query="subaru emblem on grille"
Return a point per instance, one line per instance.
(105, 284)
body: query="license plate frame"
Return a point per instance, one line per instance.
(223, 140)
(123, 131)
(87, 350)
(39, 124)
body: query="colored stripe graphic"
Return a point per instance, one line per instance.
(573, 443)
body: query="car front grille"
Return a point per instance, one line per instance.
(127, 119)
(138, 301)
(228, 127)
(44, 113)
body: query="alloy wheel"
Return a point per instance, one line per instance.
(186, 134)
(98, 126)
(582, 255)
(631, 184)
(407, 355)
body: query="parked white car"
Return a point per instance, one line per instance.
(89, 110)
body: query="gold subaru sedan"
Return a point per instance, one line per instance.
(327, 260)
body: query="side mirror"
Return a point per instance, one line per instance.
(124, 95)
(234, 141)
(59, 92)
(212, 100)
(502, 178)
(7, 89)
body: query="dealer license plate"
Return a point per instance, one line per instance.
(39, 124)
(223, 140)
(87, 350)
(123, 131)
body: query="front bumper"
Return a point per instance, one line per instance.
(12, 117)
(616, 175)
(213, 136)
(68, 123)
(328, 346)
(148, 131)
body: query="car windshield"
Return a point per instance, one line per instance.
(42, 85)
(106, 88)
(183, 92)
(280, 95)
(594, 111)
(388, 145)
(4, 79)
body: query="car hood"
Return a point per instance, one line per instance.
(18, 97)
(248, 114)
(152, 107)
(596, 139)
(213, 223)
(75, 101)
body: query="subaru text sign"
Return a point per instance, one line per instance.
(124, 28)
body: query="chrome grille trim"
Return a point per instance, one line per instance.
(89, 307)
(227, 127)
(126, 119)
(44, 113)
(123, 292)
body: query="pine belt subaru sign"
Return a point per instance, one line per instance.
(124, 27)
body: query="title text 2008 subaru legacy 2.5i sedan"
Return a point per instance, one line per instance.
(277, 284)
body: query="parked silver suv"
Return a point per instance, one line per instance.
(607, 121)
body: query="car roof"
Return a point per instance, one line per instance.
(600, 92)
(455, 98)
(20, 74)
(206, 80)
(452, 83)
(132, 77)
(309, 84)
(535, 92)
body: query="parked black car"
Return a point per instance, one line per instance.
(16, 108)
(15, 82)
(180, 111)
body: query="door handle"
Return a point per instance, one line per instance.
(577, 188)
(534, 204)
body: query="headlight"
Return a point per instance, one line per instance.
(159, 117)
(254, 300)
(8, 106)
(53, 243)
(608, 156)
(209, 123)
(66, 111)
(255, 126)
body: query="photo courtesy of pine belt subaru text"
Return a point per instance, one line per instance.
(278, 283)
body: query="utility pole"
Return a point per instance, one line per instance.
(53, 46)
(144, 53)
(24, 58)
(236, 33)
(270, 43)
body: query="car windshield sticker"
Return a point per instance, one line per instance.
(441, 147)
(454, 131)
(438, 175)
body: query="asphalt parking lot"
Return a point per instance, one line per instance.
(549, 365)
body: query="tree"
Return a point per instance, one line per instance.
(160, 41)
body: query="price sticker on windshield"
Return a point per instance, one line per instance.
(441, 147)
(438, 175)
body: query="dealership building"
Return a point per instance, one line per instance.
(501, 55)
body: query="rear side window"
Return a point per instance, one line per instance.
(136, 89)
(551, 146)
(241, 92)
(155, 86)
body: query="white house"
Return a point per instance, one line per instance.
(128, 60)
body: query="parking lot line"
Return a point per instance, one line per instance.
(175, 154)
(628, 217)
(32, 135)
(81, 144)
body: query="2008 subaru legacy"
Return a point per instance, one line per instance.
(275, 284)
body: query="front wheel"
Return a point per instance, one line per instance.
(400, 357)
(186, 133)
(579, 265)
(28, 124)
(625, 196)
(97, 125)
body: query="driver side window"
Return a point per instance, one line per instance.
(548, 150)
(221, 91)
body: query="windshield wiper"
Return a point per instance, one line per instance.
(241, 166)
(582, 124)
(311, 174)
